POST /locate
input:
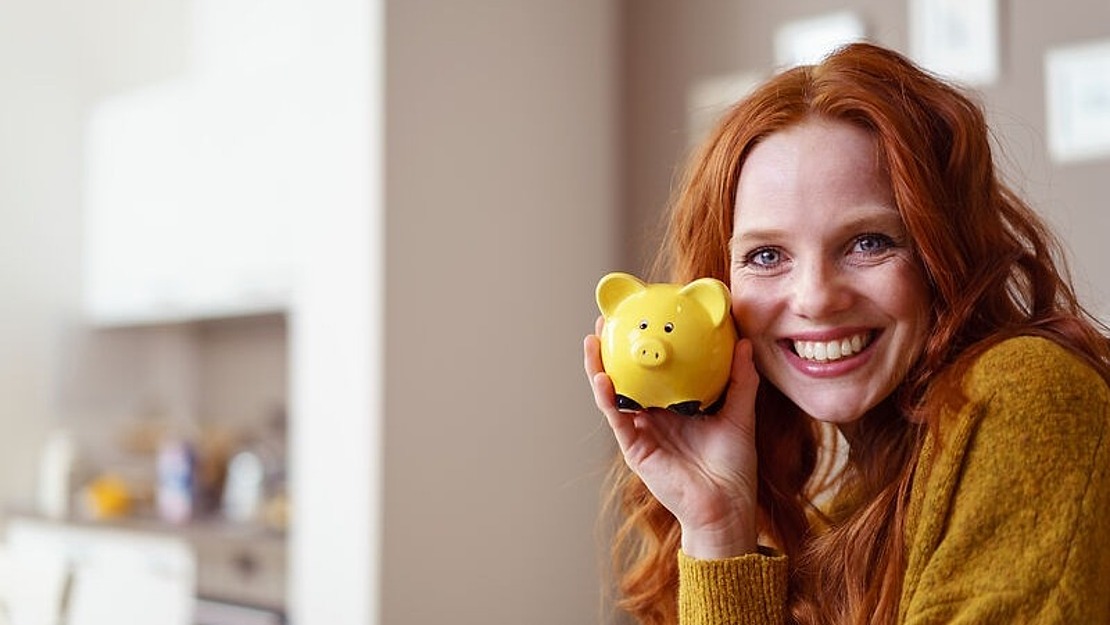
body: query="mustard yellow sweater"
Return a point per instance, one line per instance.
(1009, 516)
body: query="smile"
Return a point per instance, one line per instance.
(827, 351)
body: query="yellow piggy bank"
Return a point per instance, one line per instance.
(666, 345)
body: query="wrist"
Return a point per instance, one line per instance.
(714, 543)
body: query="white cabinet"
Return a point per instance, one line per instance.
(188, 205)
(194, 184)
(100, 575)
(140, 573)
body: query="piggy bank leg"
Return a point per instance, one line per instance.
(686, 408)
(715, 406)
(628, 404)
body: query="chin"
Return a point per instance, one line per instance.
(837, 413)
(834, 418)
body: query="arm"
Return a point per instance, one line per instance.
(1013, 521)
(704, 472)
(749, 589)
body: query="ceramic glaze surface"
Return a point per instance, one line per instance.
(666, 345)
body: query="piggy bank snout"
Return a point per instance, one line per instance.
(649, 352)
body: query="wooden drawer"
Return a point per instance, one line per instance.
(242, 570)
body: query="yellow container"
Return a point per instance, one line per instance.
(666, 345)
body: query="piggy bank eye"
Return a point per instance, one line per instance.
(668, 328)
(643, 325)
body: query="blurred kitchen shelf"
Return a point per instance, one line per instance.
(202, 528)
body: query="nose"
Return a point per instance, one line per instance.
(649, 352)
(820, 290)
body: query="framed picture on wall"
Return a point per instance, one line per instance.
(806, 41)
(1077, 85)
(956, 39)
(707, 99)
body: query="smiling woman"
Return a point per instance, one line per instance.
(886, 283)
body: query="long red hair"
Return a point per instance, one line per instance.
(993, 269)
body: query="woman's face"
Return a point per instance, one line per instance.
(824, 281)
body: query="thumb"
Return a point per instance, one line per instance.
(743, 383)
(743, 371)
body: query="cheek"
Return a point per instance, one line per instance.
(909, 296)
(752, 314)
(910, 303)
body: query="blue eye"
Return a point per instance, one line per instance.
(872, 243)
(764, 257)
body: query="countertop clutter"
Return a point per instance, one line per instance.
(159, 471)
(193, 518)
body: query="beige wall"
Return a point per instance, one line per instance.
(670, 45)
(500, 196)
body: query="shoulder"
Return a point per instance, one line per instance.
(1028, 401)
(1033, 369)
(1016, 479)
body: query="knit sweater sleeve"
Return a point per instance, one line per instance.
(1013, 510)
(749, 589)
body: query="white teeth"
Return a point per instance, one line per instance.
(823, 351)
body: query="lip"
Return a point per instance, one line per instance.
(831, 368)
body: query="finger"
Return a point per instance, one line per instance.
(599, 324)
(742, 387)
(743, 371)
(591, 349)
(604, 393)
(623, 424)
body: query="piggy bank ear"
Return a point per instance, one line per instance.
(712, 294)
(614, 288)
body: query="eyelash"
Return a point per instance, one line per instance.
(884, 242)
(750, 260)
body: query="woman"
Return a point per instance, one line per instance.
(889, 289)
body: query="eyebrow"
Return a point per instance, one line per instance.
(769, 234)
(882, 219)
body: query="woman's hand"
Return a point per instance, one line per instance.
(702, 469)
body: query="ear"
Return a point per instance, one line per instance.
(712, 294)
(614, 288)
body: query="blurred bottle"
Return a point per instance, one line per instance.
(256, 475)
(56, 474)
(244, 487)
(177, 469)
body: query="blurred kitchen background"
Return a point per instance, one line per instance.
(294, 291)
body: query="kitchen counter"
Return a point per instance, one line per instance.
(236, 563)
